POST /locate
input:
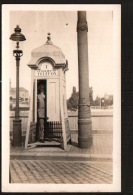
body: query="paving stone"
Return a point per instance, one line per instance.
(83, 173)
(42, 171)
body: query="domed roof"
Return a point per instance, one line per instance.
(48, 51)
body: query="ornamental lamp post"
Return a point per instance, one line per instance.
(17, 53)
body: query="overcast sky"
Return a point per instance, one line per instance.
(36, 24)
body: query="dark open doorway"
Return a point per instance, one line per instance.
(44, 83)
(41, 120)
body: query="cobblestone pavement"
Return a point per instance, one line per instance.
(60, 172)
(102, 145)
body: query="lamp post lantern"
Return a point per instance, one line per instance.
(17, 36)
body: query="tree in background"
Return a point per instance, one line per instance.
(108, 100)
(72, 102)
(91, 96)
(97, 101)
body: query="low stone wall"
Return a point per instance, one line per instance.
(102, 120)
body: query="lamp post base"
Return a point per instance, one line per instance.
(84, 142)
(17, 133)
(85, 139)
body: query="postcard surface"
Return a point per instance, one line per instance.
(61, 112)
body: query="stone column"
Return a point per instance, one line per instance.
(84, 113)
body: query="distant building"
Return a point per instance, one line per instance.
(23, 93)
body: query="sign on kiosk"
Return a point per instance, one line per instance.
(46, 69)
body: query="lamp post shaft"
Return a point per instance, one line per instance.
(84, 114)
(17, 87)
(17, 139)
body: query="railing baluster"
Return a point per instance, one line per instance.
(56, 129)
(59, 130)
(54, 134)
(50, 127)
(48, 124)
(53, 129)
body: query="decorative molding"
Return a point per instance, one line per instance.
(84, 102)
(82, 25)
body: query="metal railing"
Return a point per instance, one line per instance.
(53, 129)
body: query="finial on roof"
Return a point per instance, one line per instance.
(49, 39)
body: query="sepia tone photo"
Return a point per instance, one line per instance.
(62, 98)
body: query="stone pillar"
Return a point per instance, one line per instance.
(84, 113)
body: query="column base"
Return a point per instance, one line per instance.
(85, 139)
(84, 142)
(17, 140)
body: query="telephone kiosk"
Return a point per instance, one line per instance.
(48, 121)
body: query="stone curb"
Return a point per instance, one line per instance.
(60, 156)
(97, 132)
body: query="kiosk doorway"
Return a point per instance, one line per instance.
(47, 129)
(41, 109)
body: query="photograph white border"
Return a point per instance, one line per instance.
(116, 186)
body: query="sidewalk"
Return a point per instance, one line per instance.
(101, 150)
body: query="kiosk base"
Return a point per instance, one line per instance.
(46, 143)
